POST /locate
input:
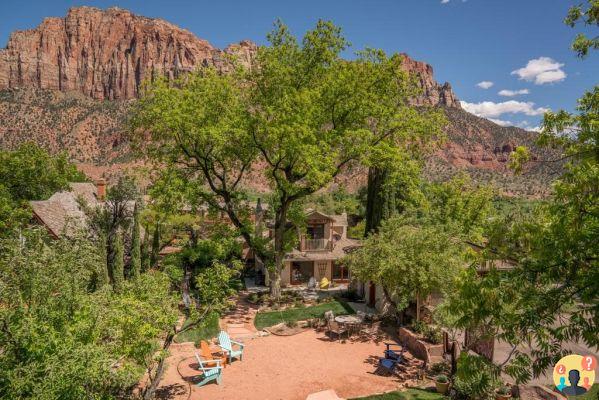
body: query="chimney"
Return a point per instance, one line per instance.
(101, 189)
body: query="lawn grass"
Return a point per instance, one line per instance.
(270, 318)
(206, 330)
(410, 394)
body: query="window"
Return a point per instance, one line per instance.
(316, 231)
(340, 272)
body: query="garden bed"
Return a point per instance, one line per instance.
(206, 330)
(265, 319)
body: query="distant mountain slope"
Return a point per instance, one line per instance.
(68, 85)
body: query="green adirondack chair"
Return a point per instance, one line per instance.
(226, 343)
(209, 373)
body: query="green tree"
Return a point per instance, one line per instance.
(551, 296)
(118, 269)
(103, 277)
(115, 214)
(31, 173)
(155, 246)
(589, 16)
(408, 261)
(301, 112)
(61, 340)
(135, 252)
(145, 250)
(390, 191)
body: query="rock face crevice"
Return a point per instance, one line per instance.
(107, 54)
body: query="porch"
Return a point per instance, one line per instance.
(300, 272)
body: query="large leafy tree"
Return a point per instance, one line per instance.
(551, 297)
(31, 173)
(59, 337)
(300, 113)
(409, 261)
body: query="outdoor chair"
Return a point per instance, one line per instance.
(387, 365)
(226, 343)
(329, 316)
(393, 354)
(337, 328)
(209, 373)
(207, 354)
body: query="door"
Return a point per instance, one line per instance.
(371, 294)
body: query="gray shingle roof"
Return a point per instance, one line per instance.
(62, 213)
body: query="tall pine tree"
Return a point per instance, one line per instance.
(155, 246)
(118, 270)
(135, 262)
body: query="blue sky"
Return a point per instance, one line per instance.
(467, 42)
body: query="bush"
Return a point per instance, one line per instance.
(504, 390)
(442, 378)
(440, 368)
(430, 333)
(475, 378)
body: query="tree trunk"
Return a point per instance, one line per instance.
(279, 233)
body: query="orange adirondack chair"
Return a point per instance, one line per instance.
(207, 355)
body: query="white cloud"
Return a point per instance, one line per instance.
(485, 84)
(541, 70)
(511, 93)
(490, 109)
(501, 122)
(444, 1)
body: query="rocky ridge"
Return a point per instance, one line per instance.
(67, 85)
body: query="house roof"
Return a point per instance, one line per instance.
(340, 249)
(338, 220)
(62, 213)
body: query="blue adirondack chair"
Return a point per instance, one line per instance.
(226, 343)
(387, 365)
(212, 373)
(393, 354)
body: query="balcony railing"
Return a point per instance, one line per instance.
(307, 244)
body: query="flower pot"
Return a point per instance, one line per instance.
(502, 396)
(442, 387)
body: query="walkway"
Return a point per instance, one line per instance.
(239, 322)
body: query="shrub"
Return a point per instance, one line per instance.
(504, 390)
(440, 368)
(475, 378)
(442, 378)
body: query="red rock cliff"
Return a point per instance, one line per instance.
(106, 54)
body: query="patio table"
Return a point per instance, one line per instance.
(352, 322)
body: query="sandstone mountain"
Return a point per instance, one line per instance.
(68, 85)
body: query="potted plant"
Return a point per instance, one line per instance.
(503, 393)
(442, 383)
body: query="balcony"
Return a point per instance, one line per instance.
(307, 244)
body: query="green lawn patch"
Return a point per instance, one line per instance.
(206, 330)
(410, 394)
(270, 318)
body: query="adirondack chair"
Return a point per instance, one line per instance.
(394, 354)
(209, 373)
(207, 355)
(226, 343)
(387, 365)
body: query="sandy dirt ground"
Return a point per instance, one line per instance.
(277, 368)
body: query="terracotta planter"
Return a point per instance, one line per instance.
(442, 387)
(502, 396)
